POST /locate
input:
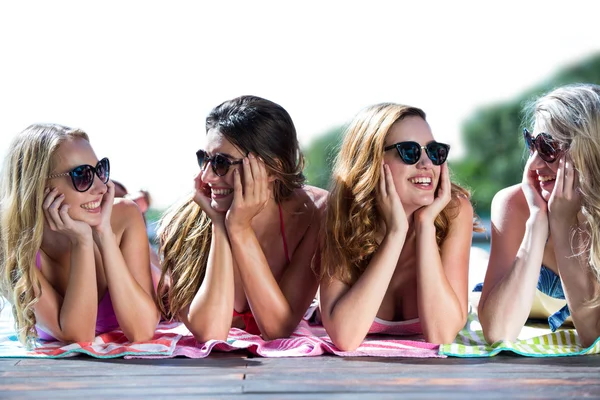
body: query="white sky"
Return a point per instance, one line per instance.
(140, 76)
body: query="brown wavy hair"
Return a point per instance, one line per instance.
(352, 220)
(252, 124)
(27, 166)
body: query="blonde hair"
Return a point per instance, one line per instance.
(185, 234)
(29, 162)
(571, 115)
(352, 220)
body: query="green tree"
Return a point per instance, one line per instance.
(495, 153)
(320, 156)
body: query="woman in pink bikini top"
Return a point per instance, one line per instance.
(239, 252)
(396, 253)
(73, 260)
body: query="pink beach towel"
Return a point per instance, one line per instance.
(173, 339)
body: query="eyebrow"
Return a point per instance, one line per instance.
(220, 153)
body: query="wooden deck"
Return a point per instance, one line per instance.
(233, 375)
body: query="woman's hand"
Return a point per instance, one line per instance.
(57, 217)
(565, 201)
(389, 203)
(104, 227)
(250, 198)
(202, 198)
(429, 213)
(532, 191)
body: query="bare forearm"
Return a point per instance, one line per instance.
(77, 319)
(440, 311)
(507, 305)
(272, 311)
(578, 280)
(209, 315)
(134, 308)
(350, 318)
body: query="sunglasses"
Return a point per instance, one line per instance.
(220, 164)
(548, 149)
(83, 175)
(410, 152)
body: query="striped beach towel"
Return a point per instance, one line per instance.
(535, 340)
(173, 339)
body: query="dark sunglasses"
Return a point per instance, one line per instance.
(219, 163)
(410, 152)
(548, 149)
(83, 175)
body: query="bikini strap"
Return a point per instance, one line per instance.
(282, 227)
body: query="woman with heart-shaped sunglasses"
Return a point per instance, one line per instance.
(398, 233)
(73, 260)
(240, 251)
(545, 230)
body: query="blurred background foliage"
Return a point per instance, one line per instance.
(494, 150)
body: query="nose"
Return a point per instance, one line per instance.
(98, 187)
(424, 161)
(207, 174)
(537, 162)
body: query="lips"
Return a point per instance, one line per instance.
(546, 178)
(221, 192)
(421, 180)
(91, 205)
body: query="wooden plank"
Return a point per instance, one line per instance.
(329, 377)
(123, 387)
(120, 393)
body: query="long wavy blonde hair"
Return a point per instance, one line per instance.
(29, 161)
(252, 124)
(352, 220)
(571, 115)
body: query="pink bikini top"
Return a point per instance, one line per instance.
(106, 319)
(401, 328)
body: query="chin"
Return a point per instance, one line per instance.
(546, 195)
(424, 201)
(220, 206)
(91, 220)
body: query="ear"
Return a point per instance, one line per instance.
(272, 177)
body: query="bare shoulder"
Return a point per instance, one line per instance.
(125, 213)
(509, 201)
(465, 209)
(319, 196)
(311, 198)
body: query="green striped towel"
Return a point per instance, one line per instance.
(533, 341)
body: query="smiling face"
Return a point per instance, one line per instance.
(545, 171)
(220, 188)
(415, 184)
(84, 206)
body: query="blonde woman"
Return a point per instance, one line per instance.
(239, 252)
(546, 229)
(398, 233)
(73, 261)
